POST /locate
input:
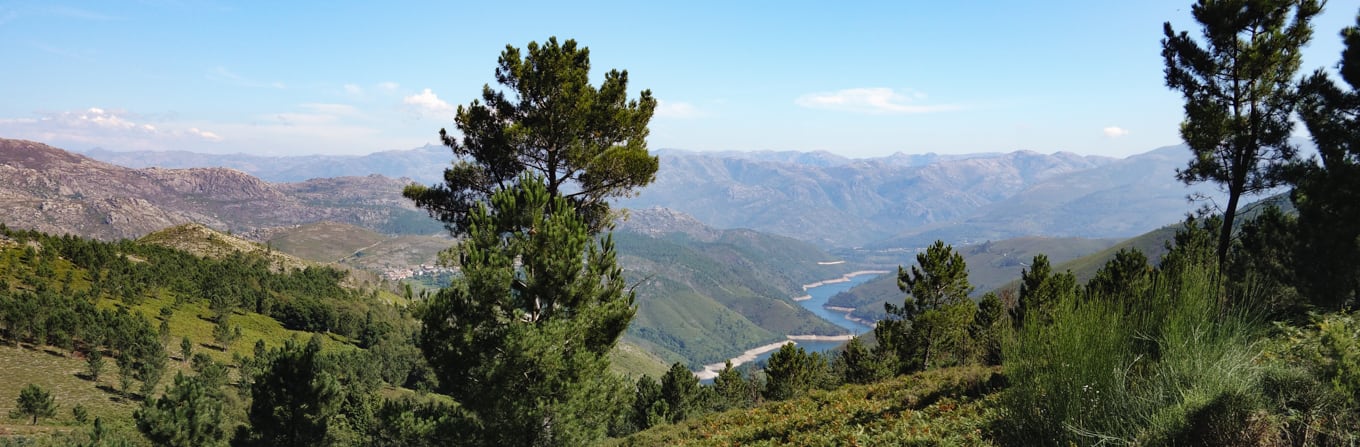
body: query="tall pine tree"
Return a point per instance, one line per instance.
(188, 415)
(587, 144)
(933, 320)
(1238, 85)
(1327, 194)
(522, 338)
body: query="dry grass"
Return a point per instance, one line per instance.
(63, 375)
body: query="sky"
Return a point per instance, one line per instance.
(859, 79)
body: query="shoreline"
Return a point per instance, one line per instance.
(844, 278)
(850, 310)
(802, 298)
(711, 370)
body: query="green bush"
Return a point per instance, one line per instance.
(1150, 368)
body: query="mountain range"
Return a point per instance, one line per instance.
(884, 203)
(718, 245)
(55, 191)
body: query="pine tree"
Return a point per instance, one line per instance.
(1239, 94)
(34, 402)
(94, 362)
(649, 409)
(680, 391)
(990, 328)
(293, 398)
(186, 349)
(588, 144)
(188, 415)
(731, 389)
(860, 364)
(1041, 290)
(791, 372)
(933, 320)
(522, 338)
(1127, 271)
(1327, 194)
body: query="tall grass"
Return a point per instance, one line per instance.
(1158, 363)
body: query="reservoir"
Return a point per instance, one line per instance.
(820, 295)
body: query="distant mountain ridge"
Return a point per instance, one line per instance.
(55, 191)
(844, 203)
(892, 202)
(424, 164)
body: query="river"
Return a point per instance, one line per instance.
(817, 296)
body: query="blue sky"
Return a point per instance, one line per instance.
(351, 77)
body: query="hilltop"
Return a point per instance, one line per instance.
(55, 191)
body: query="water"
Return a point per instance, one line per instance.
(820, 295)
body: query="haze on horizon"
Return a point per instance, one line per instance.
(859, 80)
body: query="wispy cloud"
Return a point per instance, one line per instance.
(389, 86)
(872, 100)
(680, 110)
(427, 104)
(98, 126)
(353, 89)
(1114, 131)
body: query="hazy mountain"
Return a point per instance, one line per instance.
(897, 201)
(838, 202)
(424, 164)
(55, 191)
(1120, 199)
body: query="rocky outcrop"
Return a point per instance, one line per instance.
(55, 191)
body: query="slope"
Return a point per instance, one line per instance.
(55, 191)
(990, 265)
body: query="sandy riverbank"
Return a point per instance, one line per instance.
(844, 278)
(848, 311)
(802, 298)
(710, 371)
(822, 337)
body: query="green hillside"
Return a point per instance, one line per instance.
(941, 407)
(705, 301)
(324, 241)
(990, 265)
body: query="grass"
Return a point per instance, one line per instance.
(953, 406)
(1142, 368)
(63, 375)
(629, 359)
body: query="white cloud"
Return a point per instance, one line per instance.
(667, 109)
(871, 100)
(111, 128)
(1115, 131)
(428, 104)
(354, 89)
(389, 86)
(205, 134)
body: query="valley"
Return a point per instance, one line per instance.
(720, 291)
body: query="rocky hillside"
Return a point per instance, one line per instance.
(55, 191)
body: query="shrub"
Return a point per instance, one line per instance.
(1146, 370)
